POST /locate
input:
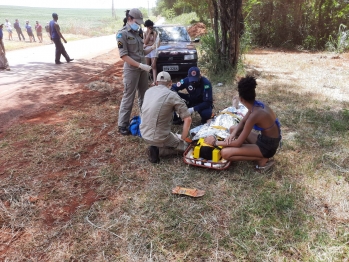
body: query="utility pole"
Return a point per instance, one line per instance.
(148, 9)
(112, 9)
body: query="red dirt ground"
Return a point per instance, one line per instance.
(102, 68)
(36, 95)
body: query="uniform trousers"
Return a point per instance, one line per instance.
(134, 80)
(170, 146)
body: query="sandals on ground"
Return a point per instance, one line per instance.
(267, 166)
(193, 192)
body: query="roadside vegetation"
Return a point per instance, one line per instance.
(73, 189)
(293, 25)
(183, 19)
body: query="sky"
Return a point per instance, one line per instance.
(122, 4)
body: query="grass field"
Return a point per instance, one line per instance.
(73, 189)
(75, 23)
(89, 22)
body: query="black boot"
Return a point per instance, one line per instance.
(124, 130)
(153, 154)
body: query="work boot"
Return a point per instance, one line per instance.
(70, 59)
(153, 154)
(124, 130)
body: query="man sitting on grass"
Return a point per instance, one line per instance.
(157, 111)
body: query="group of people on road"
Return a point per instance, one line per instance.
(158, 103)
(28, 28)
(53, 30)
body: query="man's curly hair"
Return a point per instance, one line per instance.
(247, 88)
(148, 23)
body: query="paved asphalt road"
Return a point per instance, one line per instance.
(24, 62)
(23, 88)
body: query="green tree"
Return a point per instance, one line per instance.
(232, 25)
(294, 22)
(226, 20)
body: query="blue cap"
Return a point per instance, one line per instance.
(194, 74)
(54, 15)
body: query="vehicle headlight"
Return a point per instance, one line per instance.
(189, 57)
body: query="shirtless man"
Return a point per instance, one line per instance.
(149, 39)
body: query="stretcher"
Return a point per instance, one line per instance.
(188, 158)
(218, 127)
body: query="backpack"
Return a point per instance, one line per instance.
(134, 126)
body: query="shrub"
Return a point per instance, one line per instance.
(210, 59)
(340, 42)
(310, 42)
(218, 66)
(184, 19)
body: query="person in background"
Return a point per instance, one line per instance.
(38, 29)
(9, 29)
(47, 29)
(199, 98)
(131, 50)
(29, 30)
(55, 36)
(150, 37)
(156, 119)
(245, 145)
(3, 59)
(18, 28)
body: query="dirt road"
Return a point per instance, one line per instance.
(35, 80)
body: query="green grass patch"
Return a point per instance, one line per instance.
(183, 19)
(88, 22)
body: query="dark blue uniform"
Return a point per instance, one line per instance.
(199, 96)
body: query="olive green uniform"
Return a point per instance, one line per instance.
(135, 79)
(157, 112)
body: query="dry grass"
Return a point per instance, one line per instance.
(73, 189)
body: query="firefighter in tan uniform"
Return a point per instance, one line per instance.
(130, 44)
(157, 111)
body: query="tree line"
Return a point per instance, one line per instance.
(279, 23)
(306, 23)
(274, 22)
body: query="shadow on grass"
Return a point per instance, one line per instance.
(245, 215)
(126, 205)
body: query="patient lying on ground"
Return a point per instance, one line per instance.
(243, 143)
